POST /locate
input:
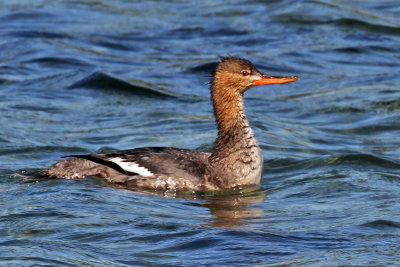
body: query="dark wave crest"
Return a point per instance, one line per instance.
(60, 61)
(100, 80)
(382, 224)
(362, 159)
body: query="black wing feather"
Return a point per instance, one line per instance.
(110, 164)
(158, 160)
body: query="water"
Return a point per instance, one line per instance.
(90, 76)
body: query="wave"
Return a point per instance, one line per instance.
(290, 164)
(337, 14)
(100, 80)
(37, 149)
(382, 224)
(36, 34)
(355, 23)
(57, 61)
(362, 159)
(341, 22)
(207, 67)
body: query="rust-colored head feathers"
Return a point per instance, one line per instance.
(239, 75)
(233, 76)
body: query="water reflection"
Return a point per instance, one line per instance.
(229, 209)
(235, 210)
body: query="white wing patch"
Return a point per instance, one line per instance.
(132, 167)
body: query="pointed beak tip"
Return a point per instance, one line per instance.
(276, 80)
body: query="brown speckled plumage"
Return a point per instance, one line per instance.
(236, 161)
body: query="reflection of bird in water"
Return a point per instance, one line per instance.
(230, 209)
(235, 209)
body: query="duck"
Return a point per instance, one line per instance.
(236, 161)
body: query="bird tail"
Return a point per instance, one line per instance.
(33, 176)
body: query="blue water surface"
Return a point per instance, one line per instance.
(90, 76)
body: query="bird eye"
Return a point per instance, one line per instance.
(245, 72)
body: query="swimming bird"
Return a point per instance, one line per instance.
(236, 161)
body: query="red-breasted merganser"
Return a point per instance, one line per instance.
(237, 159)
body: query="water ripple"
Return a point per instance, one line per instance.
(99, 80)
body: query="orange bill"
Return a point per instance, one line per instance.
(266, 79)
